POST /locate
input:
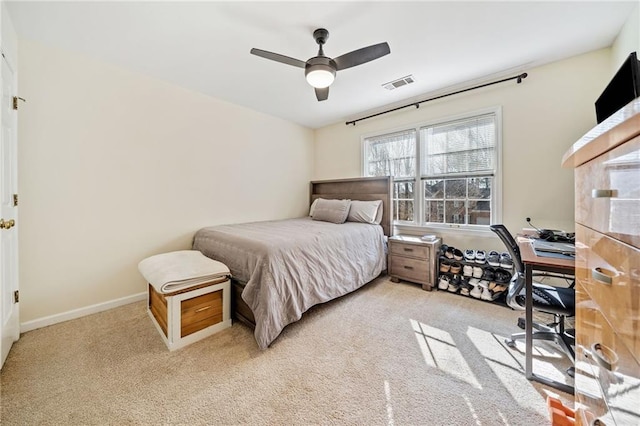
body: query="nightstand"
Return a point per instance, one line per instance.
(413, 259)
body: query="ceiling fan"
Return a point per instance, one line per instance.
(320, 71)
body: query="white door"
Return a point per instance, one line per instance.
(9, 307)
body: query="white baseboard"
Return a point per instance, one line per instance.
(81, 312)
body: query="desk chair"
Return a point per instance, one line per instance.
(558, 301)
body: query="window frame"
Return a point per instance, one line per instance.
(419, 200)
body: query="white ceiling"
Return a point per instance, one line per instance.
(205, 45)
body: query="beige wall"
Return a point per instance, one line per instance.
(542, 117)
(627, 41)
(115, 166)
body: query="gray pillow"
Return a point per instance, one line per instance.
(365, 211)
(335, 211)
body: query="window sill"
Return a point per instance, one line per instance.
(406, 229)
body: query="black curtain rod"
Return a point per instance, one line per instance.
(417, 104)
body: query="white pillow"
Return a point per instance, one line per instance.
(313, 206)
(335, 211)
(365, 211)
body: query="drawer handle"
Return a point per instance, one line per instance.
(602, 193)
(203, 309)
(602, 275)
(408, 267)
(408, 249)
(604, 356)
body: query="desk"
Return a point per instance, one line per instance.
(533, 262)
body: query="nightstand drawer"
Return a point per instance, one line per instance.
(409, 269)
(421, 252)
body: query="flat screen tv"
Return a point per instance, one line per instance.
(622, 89)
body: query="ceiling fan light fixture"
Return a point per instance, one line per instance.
(320, 75)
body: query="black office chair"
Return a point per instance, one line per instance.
(558, 301)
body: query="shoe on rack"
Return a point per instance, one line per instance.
(443, 249)
(449, 252)
(476, 292)
(467, 271)
(480, 256)
(498, 290)
(465, 287)
(455, 268)
(502, 276)
(477, 272)
(493, 258)
(505, 261)
(486, 294)
(445, 265)
(454, 285)
(470, 255)
(444, 282)
(488, 274)
(457, 254)
(474, 281)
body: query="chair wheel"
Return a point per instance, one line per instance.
(522, 323)
(571, 371)
(510, 342)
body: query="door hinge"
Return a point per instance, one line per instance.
(16, 296)
(15, 101)
(15, 200)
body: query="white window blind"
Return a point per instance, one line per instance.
(459, 147)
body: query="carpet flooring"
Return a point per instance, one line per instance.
(387, 354)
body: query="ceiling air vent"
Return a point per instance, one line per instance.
(399, 82)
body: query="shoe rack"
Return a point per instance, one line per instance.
(451, 267)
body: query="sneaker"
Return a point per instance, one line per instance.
(444, 282)
(502, 276)
(488, 274)
(477, 272)
(455, 268)
(445, 265)
(486, 294)
(449, 252)
(493, 258)
(470, 255)
(443, 249)
(465, 288)
(505, 261)
(457, 254)
(476, 292)
(474, 282)
(480, 256)
(454, 285)
(467, 271)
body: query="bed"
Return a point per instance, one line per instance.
(282, 268)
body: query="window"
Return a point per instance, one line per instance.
(445, 173)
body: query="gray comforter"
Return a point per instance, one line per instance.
(291, 265)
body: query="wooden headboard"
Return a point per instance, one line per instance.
(363, 189)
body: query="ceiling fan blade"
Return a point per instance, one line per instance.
(322, 94)
(278, 58)
(361, 56)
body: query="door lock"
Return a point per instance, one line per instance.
(8, 224)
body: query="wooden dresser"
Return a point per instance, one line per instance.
(413, 259)
(607, 215)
